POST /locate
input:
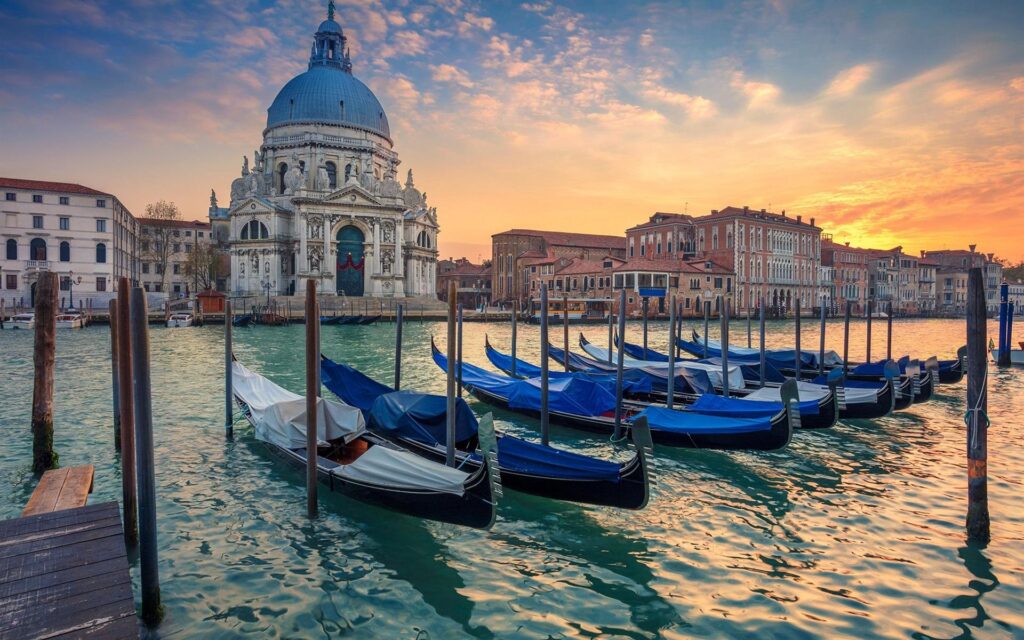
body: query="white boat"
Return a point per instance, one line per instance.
(180, 320)
(72, 320)
(879, 314)
(1016, 355)
(21, 321)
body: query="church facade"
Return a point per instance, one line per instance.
(322, 198)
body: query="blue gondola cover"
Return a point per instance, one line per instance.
(420, 416)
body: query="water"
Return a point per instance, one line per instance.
(855, 531)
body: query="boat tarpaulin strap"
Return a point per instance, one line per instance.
(384, 467)
(670, 420)
(421, 417)
(280, 415)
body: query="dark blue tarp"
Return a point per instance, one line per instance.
(853, 384)
(780, 359)
(633, 382)
(693, 381)
(536, 459)
(663, 419)
(751, 370)
(351, 385)
(578, 396)
(877, 368)
(420, 416)
(717, 405)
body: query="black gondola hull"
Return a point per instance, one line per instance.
(881, 407)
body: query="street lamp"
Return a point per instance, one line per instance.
(71, 288)
(267, 285)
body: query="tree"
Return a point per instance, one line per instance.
(157, 232)
(203, 266)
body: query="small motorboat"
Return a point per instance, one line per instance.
(180, 320)
(1016, 355)
(365, 466)
(21, 321)
(70, 320)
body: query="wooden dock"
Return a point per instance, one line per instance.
(64, 574)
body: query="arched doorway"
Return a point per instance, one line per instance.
(350, 261)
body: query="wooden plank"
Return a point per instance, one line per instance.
(33, 564)
(69, 537)
(76, 489)
(57, 593)
(53, 520)
(46, 492)
(74, 613)
(126, 626)
(56, 578)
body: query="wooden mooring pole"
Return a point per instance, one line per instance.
(724, 341)
(149, 572)
(450, 375)
(888, 333)
(871, 311)
(671, 393)
(611, 332)
(846, 337)
(112, 314)
(1005, 319)
(399, 317)
(748, 327)
(707, 313)
(515, 323)
(644, 306)
(458, 354)
(129, 502)
(617, 433)
(565, 329)
(796, 330)
(44, 356)
(763, 360)
(229, 390)
(977, 407)
(544, 416)
(821, 341)
(312, 398)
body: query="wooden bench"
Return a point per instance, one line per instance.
(61, 489)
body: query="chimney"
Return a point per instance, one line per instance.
(923, 252)
(812, 222)
(746, 209)
(764, 211)
(972, 246)
(714, 211)
(847, 243)
(991, 256)
(799, 219)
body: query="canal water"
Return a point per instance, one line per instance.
(856, 531)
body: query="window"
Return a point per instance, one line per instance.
(37, 222)
(188, 247)
(101, 252)
(12, 250)
(332, 169)
(37, 249)
(11, 196)
(177, 269)
(177, 288)
(101, 283)
(102, 204)
(256, 230)
(145, 245)
(101, 226)
(64, 223)
(177, 248)
(12, 281)
(145, 267)
(65, 283)
(159, 270)
(177, 233)
(65, 251)
(37, 198)
(199, 234)
(188, 233)
(65, 200)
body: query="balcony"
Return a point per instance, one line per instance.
(37, 265)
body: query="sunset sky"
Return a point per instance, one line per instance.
(889, 122)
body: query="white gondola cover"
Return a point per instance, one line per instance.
(397, 469)
(831, 357)
(811, 391)
(280, 418)
(280, 415)
(661, 368)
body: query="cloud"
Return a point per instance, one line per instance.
(450, 73)
(646, 38)
(697, 107)
(1017, 84)
(471, 21)
(759, 94)
(849, 80)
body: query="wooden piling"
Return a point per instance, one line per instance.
(43, 358)
(112, 314)
(821, 341)
(871, 312)
(846, 337)
(565, 329)
(544, 415)
(707, 313)
(312, 382)
(149, 572)
(458, 353)
(748, 327)
(450, 376)
(229, 390)
(125, 373)
(670, 395)
(796, 329)
(724, 340)
(644, 305)
(515, 322)
(611, 337)
(3, 313)
(888, 334)
(1003, 343)
(617, 433)
(763, 361)
(977, 407)
(399, 317)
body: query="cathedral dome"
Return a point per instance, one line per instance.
(328, 94)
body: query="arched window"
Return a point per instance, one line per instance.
(101, 252)
(12, 249)
(37, 249)
(65, 251)
(281, 170)
(348, 172)
(255, 230)
(332, 171)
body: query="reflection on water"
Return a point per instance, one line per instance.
(857, 530)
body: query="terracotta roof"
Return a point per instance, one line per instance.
(44, 185)
(461, 267)
(157, 222)
(565, 238)
(760, 214)
(662, 218)
(579, 266)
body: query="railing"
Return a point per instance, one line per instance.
(37, 265)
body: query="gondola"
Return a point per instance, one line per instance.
(588, 405)
(693, 389)
(244, 320)
(368, 319)
(328, 320)
(417, 421)
(363, 465)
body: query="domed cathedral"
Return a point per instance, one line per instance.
(322, 199)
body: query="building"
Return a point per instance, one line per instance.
(774, 257)
(927, 281)
(954, 261)
(514, 255)
(472, 281)
(664, 235)
(693, 282)
(1015, 294)
(84, 235)
(322, 200)
(164, 249)
(851, 279)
